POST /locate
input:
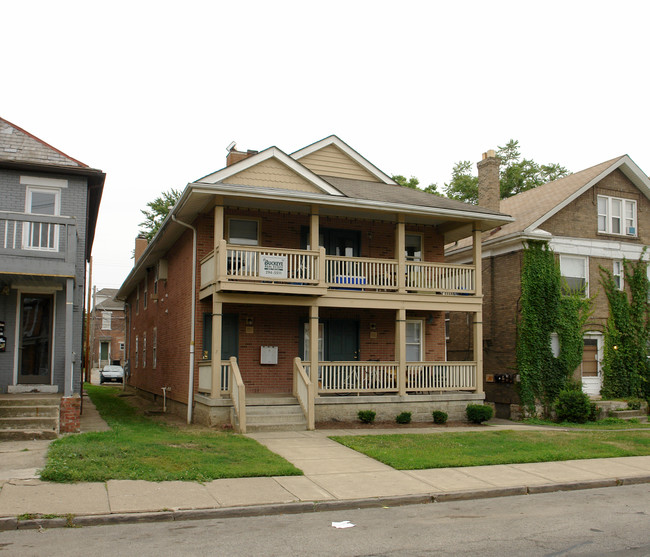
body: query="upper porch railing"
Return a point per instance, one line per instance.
(314, 268)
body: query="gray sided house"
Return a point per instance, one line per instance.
(48, 211)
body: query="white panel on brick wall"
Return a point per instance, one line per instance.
(268, 354)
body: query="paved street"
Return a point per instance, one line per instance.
(608, 521)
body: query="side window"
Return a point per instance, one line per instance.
(106, 320)
(137, 299)
(575, 272)
(154, 348)
(136, 350)
(414, 340)
(413, 247)
(144, 350)
(146, 280)
(42, 235)
(618, 274)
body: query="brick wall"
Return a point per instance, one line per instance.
(69, 415)
(115, 336)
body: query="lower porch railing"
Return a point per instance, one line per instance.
(238, 394)
(303, 390)
(205, 376)
(382, 377)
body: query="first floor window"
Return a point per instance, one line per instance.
(154, 348)
(414, 340)
(575, 273)
(136, 350)
(618, 274)
(144, 350)
(321, 354)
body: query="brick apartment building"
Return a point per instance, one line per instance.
(595, 217)
(107, 329)
(302, 288)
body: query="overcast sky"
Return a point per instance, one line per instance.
(152, 93)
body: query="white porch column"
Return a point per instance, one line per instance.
(313, 345)
(400, 350)
(400, 253)
(69, 304)
(217, 320)
(478, 316)
(314, 228)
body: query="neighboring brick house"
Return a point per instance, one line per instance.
(107, 329)
(596, 217)
(48, 211)
(312, 274)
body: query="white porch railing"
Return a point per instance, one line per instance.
(357, 377)
(440, 376)
(440, 277)
(238, 394)
(252, 263)
(303, 390)
(360, 272)
(205, 376)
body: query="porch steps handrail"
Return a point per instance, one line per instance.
(303, 390)
(238, 394)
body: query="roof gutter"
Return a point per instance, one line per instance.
(190, 388)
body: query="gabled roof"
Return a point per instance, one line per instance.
(277, 154)
(349, 151)
(19, 145)
(534, 207)
(109, 303)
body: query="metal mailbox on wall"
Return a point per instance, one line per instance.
(268, 354)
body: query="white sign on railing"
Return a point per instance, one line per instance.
(273, 266)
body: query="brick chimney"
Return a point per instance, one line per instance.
(489, 191)
(141, 244)
(236, 156)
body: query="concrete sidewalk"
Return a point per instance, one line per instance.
(335, 478)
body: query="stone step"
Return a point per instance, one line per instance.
(270, 400)
(26, 434)
(630, 415)
(49, 423)
(263, 411)
(13, 401)
(24, 410)
(272, 418)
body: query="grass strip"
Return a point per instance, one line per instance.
(138, 448)
(604, 424)
(417, 452)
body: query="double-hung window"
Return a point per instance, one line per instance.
(617, 273)
(39, 234)
(414, 340)
(616, 215)
(575, 272)
(106, 320)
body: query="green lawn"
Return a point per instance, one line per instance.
(137, 448)
(442, 450)
(605, 424)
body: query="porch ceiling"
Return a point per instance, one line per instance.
(18, 281)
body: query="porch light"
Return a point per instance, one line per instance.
(249, 321)
(373, 326)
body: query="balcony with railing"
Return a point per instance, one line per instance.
(314, 272)
(38, 244)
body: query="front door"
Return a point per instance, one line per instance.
(35, 344)
(343, 340)
(104, 353)
(589, 370)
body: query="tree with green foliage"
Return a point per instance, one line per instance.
(158, 211)
(544, 311)
(626, 370)
(516, 175)
(414, 184)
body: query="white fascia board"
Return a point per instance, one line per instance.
(490, 248)
(349, 151)
(606, 249)
(636, 175)
(347, 202)
(271, 152)
(578, 193)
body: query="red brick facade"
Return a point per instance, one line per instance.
(70, 413)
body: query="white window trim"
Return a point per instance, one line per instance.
(107, 317)
(145, 290)
(585, 259)
(609, 216)
(27, 227)
(421, 341)
(621, 273)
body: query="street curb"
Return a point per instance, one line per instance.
(302, 507)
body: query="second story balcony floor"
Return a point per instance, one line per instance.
(38, 244)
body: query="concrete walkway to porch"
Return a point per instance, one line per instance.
(336, 478)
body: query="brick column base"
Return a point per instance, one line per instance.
(70, 415)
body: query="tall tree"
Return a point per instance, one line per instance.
(158, 211)
(414, 184)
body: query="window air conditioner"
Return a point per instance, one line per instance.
(631, 231)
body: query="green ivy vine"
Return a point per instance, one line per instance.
(545, 310)
(626, 370)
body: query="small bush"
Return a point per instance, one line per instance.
(478, 413)
(367, 416)
(439, 417)
(403, 418)
(572, 406)
(594, 412)
(634, 404)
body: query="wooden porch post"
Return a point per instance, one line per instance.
(400, 253)
(478, 316)
(314, 228)
(313, 345)
(400, 350)
(217, 325)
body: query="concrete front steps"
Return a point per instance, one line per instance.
(29, 416)
(630, 415)
(618, 409)
(272, 413)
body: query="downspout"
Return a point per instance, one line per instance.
(190, 389)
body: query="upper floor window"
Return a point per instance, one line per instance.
(617, 273)
(144, 290)
(106, 320)
(243, 232)
(575, 271)
(413, 244)
(38, 234)
(137, 299)
(616, 215)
